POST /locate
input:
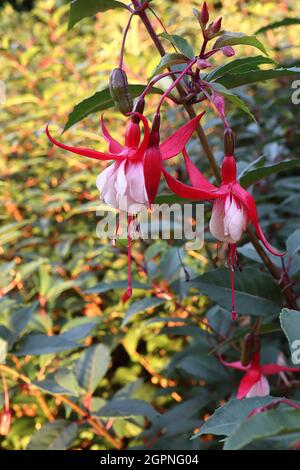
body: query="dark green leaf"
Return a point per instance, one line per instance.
(260, 426)
(103, 287)
(100, 101)
(180, 43)
(91, 367)
(233, 39)
(239, 79)
(278, 24)
(256, 293)
(238, 65)
(236, 100)
(58, 435)
(140, 306)
(126, 409)
(256, 174)
(168, 60)
(227, 418)
(80, 9)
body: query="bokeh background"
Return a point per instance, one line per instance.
(48, 199)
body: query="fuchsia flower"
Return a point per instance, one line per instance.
(255, 382)
(127, 179)
(131, 182)
(233, 209)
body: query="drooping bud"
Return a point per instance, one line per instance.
(204, 14)
(153, 162)
(229, 142)
(203, 64)
(118, 87)
(228, 51)
(132, 135)
(247, 349)
(5, 422)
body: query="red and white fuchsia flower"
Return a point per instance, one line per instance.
(131, 183)
(233, 207)
(255, 382)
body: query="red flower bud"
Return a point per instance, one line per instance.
(204, 15)
(5, 422)
(153, 162)
(215, 28)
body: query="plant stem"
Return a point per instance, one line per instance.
(286, 290)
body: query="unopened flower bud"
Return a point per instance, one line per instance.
(247, 349)
(228, 51)
(203, 64)
(214, 28)
(138, 108)
(204, 15)
(118, 87)
(229, 142)
(5, 422)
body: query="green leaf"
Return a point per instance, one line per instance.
(238, 65)
(36, 344)
(262, 425)
(19, 320)
(66, 379)
(168, 60)
(228, 417)
(239, 79)
(126, 409)
(278, 24)
(140, 306)
(256, 174)
(100, 101)
(58, 435)
(58, 288)
(234, 39)
(293, 243)
(256, 293)
(180, 43)
(236, 100)
(80, 9)
(290, 323)
(51, 386)
(91, 367)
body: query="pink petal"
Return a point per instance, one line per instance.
(196, 177)
(234, 365)
(114, 146)
(177, 141)
(216, 224)
(260, 388)
(84, 151)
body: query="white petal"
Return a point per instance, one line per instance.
(216, 224)
(234, 220)
(105, 176)
(260, 388)
(136, 182)
(121, 183)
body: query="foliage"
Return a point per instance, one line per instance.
(83, 370)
